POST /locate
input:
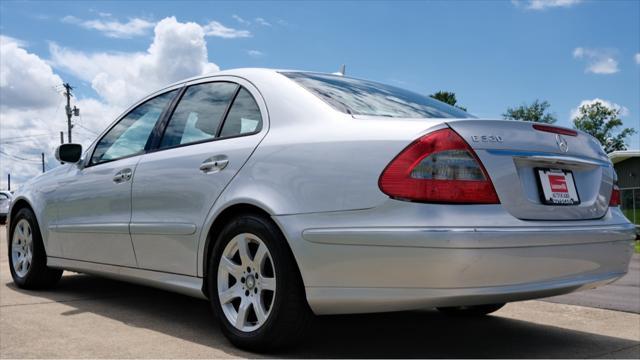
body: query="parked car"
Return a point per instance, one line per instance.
(5, 201)
(281, 194)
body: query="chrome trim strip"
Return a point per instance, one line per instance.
(162, 228)
(187, 285)
(543, 156)
(470, 238)
(113, 228)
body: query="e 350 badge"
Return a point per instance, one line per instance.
(486, 138)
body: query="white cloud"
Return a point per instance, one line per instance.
(4, 39)
(255, 53)
(113, 28)
(263, 22)
(599, 61)
(636, 57)
(241, 20)
(624, 111)
(26, 81)
(32, 112)
(545, 4)
(215, 28)
(178, 51)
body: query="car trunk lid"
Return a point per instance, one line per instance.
(523, 161)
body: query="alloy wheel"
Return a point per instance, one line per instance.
(22, 248)
(246, 282)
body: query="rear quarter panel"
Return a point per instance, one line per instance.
(314, 158)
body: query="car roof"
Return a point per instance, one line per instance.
(245, 73)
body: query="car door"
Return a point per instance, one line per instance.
(94, 199)
(212, 132)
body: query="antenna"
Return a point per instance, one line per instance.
(342, 70)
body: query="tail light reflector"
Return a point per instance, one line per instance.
(615, 196)
(439, 167)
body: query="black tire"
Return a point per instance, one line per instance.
(38, 276)
(471, 311)
(290, 313)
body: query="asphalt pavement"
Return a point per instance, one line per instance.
(91, 317)
(622, 295)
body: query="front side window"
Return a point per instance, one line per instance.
(199, 113)
(360, 97)
(129, 136)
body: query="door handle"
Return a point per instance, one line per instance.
(214, 164)
(123, 175)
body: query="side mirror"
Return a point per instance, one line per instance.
(69, 153)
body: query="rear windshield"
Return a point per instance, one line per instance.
(360, 97)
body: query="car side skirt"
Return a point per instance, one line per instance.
(183, 284)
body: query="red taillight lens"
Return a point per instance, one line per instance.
(615, 196)
(439, 167)
(555, 130)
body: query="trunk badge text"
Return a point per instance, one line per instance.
(486, 138)
(562, 143)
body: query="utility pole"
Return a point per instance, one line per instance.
(9, 182)
(61, 137)
(70, 112)
(43, 162)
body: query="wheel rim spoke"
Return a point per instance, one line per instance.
(231, 268)
(16, 248)
(259, 257)
(268, 283)
(243, 309)
(259, 310)
(243, 250)
(230, 294)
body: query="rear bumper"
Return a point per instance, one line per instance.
(363, 300)
(355, 269)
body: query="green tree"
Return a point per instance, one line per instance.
(602, 122)
(447, 97)
(536, 112)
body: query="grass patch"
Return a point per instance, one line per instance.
(637, 246)
(629, 214)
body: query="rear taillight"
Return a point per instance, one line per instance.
(615, 196)
(555, 129)
(439, 167)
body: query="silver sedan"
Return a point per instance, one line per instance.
(281, 194)
(5, 201)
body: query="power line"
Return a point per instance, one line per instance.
(22, 137)
(86, 129)
(15, 157)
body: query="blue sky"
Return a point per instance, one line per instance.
(492, 54)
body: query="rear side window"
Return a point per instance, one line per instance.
(244, 116)
(212, 110)
(199, 114)
(361, 97)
